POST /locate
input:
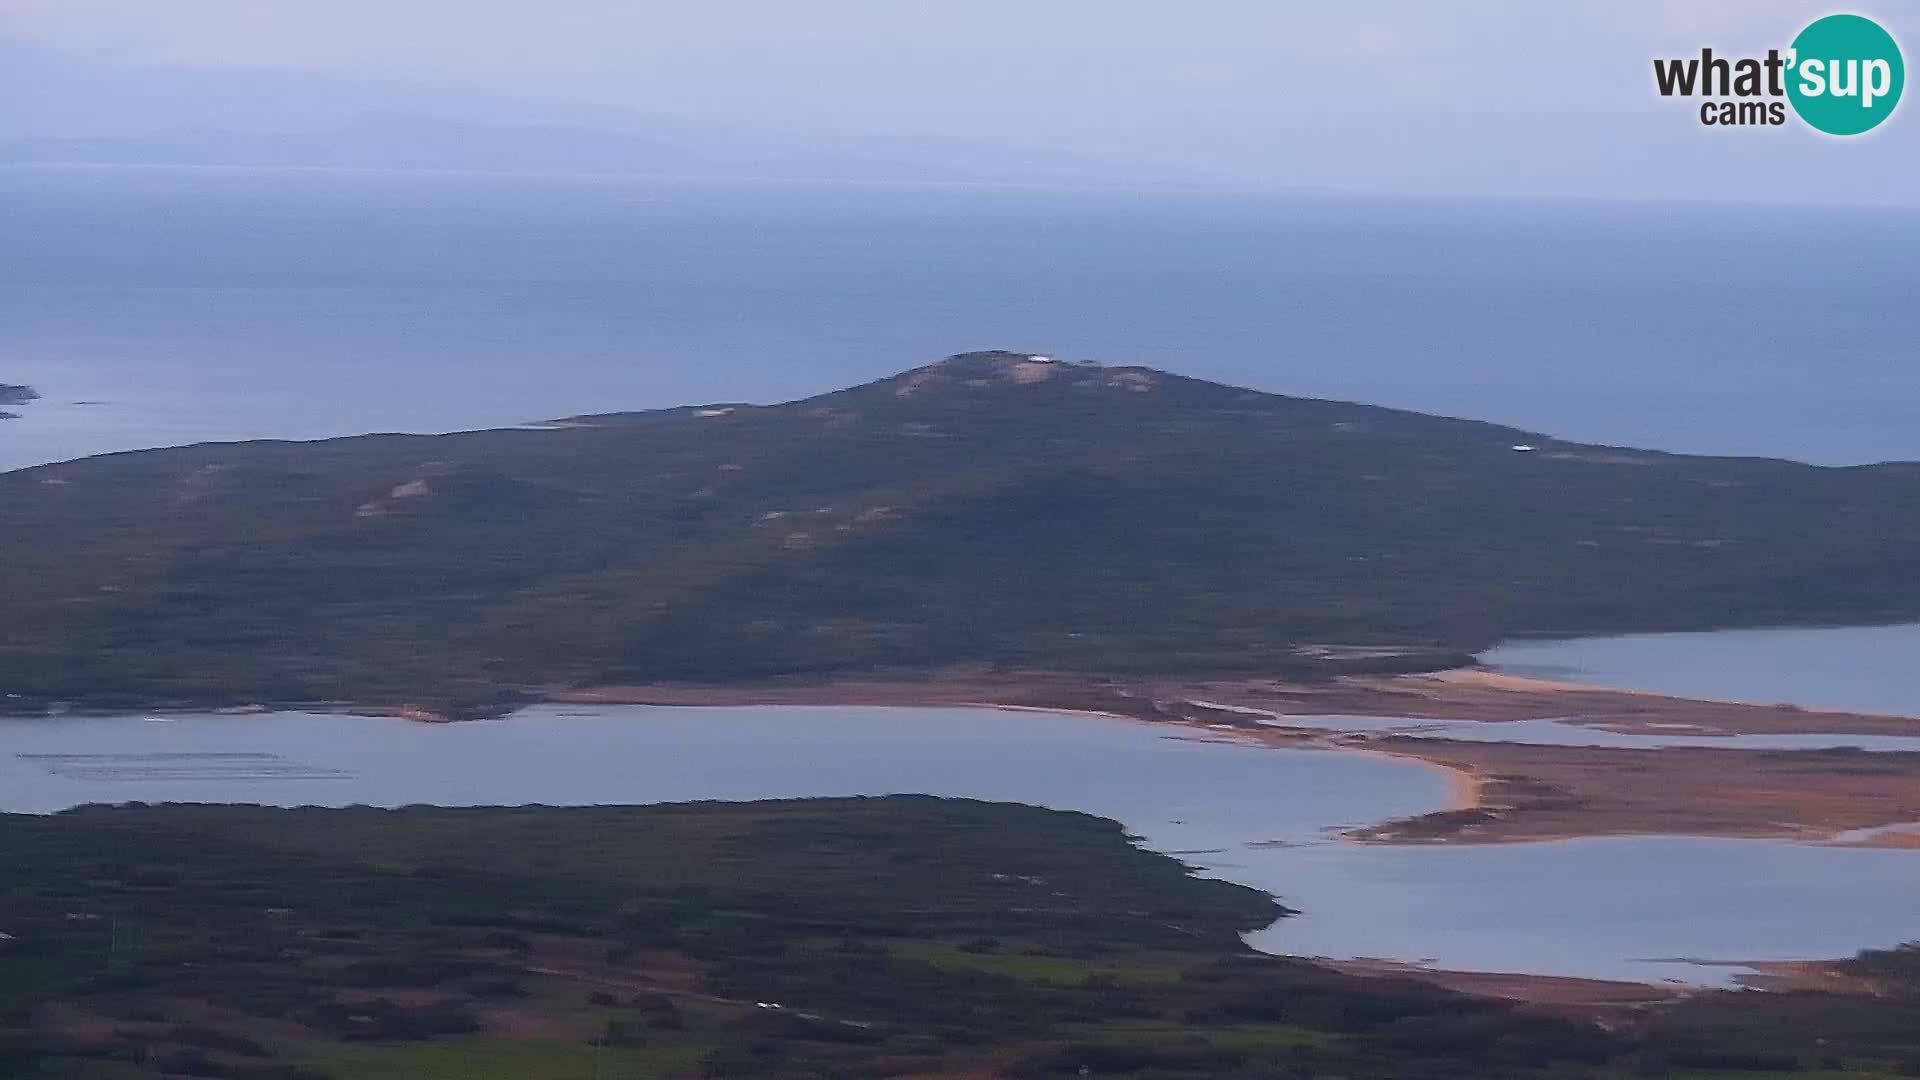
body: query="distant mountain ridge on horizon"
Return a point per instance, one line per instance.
(406, 141)
(994, 508)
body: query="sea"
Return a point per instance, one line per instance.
(157, 306)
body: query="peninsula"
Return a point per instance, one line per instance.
(995, 510)
(993, 528)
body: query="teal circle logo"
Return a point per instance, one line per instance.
(1845, 74)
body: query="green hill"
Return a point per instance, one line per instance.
(985, 509)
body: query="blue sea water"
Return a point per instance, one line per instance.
(194, 304)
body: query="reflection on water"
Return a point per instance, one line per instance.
(134, 768)
(1265, 817)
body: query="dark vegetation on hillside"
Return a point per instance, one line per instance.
(897, 936)
(986, 510)
(1898, 969)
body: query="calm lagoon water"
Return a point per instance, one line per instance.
(1256, 815)
(1864, 668)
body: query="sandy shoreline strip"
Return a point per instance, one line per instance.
(1499, 792)
(1467, 789)
(1485, 679)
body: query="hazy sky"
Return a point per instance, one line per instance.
(1528, 96)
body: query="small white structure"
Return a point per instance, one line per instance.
(1523, 448)
(1036, 358)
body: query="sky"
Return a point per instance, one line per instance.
(1476, 97)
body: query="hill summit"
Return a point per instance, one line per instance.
(991, 508)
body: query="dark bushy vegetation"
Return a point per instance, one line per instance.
(1898, 969)
(847, 938)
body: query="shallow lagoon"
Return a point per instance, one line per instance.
(1620, 908)
(1856, 668)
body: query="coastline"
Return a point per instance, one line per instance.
(1501, 680)
(1499, 792)
(1578, 995)
(1481, 804)
(1467, 789)
(1471, 694)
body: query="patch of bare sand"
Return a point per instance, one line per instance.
(1732, 716)
(1551, 991)
(1500, 680)
(1493, 697)
(1537, 793)
(1820, 976)
(1905, 838)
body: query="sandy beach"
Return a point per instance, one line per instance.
(1467, 788)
